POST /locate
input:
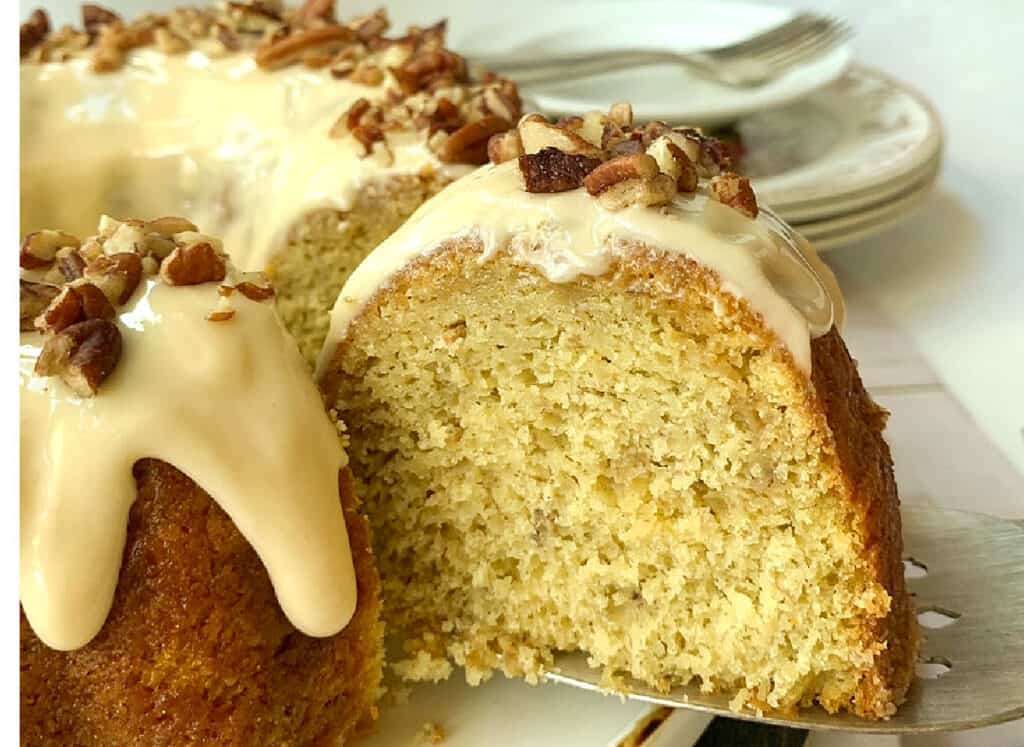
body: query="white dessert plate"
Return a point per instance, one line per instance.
(860, 224)
(858, 141)
(658, 91)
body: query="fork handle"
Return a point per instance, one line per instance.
(543, 69)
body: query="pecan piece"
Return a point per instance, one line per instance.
(255, 291)
(537, 134)
(39, 249)
(169, 225)
(657, 190)
(609, 173)
(504, 146)
(621, 114)
(221, 316)
(95, 17)
(551, 170)
(33, 31)
(316, 9)
(672, 160)
(468, 144)
(70, 264)
(63, 311)
(193, 265)
(82, 355)
(34, 298)
(293, 47)
(117, 275)
(74, 303)
(735, 191)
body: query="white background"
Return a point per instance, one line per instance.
(951, 276)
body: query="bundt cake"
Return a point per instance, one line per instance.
(598, 401)
(301, 141)
(194, 565)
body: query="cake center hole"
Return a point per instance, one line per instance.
(933, 667)
(913, 568)
(937, 617)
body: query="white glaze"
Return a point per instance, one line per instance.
(568, 234)
(231, 404)
(242, 152)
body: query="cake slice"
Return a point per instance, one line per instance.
(300, 139)
(598, 400)
(195, 568)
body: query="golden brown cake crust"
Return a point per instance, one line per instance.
(196, 649)
(856, 423)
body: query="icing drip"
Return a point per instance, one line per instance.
(567, 234)
(243, 152)
(231, 405)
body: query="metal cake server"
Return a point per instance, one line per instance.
(965, 572)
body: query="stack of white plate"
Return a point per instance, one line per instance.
(849, 160)
(840, 151)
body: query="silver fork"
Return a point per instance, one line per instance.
(748, 63)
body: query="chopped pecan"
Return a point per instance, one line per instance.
(621, 114)
(445, 117)
(537, 134)
(63, 311)
(504, 146)
(169, 42)
(657, 190)
(551, 170)
(82, 355)
(426, 67)
(117, 275)
(370, 26)
(623, 168)
(169, 225)
(672, 160)
(34, 298)
(74, 303)
(95, 17)
(292, 47)
(367, 74)
(34, 30)
(316, 9)
(39, 249)
(254, 291)
(193, 265)
(70, 264)
(735, 191)
(221, 315)
(468, 144)
(501, 101)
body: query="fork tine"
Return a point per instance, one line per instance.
(808, 37)
(793, 26)
(812, 48)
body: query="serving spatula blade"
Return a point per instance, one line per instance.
(965, 572)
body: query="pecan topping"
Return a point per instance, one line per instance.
(70, 264)
(193, 265)
(657, 190)
(169, 225)
(468, 144)
(293, 47)
(39, 249)
(82, 355)
(672, 160)
(117, 275)
(63, 311)
(94, 17)
(735, 191)
(316, 9)
(635, 166)
(536, 134)
(255, 292)
(551, 170)
(621, 114)
(221, 315)
(34, 30)
(35, 297)
(504, 146)
(74, 303)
